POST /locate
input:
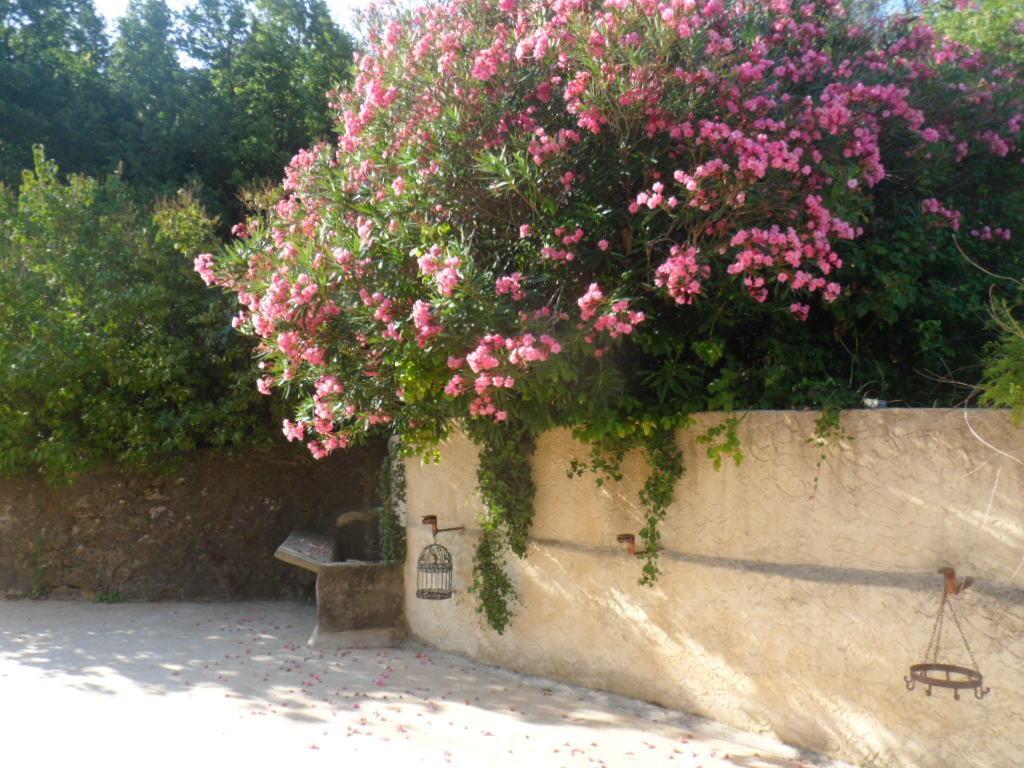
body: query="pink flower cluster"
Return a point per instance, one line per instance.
(203, 264)
(300, 165)
(325, 447)
(681, 274)
(526, 349)
(489, 384)
(936, 208)
(456, 386)
(426, 328)
(510, 285)
(293, 431)
(618, 321)
(483, 358)
(743, 157)
(590, 301)
(445, 271)
(992, 233)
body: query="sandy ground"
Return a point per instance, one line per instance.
(235, 685)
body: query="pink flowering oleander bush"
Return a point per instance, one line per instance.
(608, 215)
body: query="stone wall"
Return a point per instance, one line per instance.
(782, 608)
(205, 527)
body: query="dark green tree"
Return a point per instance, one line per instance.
(214, 32)
(146, 74)
(52, 86)
(215, 98)
(268, 82)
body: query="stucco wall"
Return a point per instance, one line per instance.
(777, 611)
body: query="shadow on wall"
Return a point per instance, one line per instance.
(914, 581)
(763, 669)
(791, 601)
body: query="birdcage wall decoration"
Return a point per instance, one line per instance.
(434, 572)
(933, 673)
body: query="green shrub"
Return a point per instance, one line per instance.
(1004, 374)
(109, 348)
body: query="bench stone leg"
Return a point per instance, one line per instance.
(359, 605)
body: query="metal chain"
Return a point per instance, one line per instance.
(963, 637)
(932, 651)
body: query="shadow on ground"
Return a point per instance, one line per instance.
(244, 661)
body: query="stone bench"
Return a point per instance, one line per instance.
(358, 603)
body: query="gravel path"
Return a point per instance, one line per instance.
(233, 684)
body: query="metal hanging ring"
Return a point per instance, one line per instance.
(935, 674)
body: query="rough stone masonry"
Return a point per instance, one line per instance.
(204, 526)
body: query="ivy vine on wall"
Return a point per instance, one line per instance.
(391, 491)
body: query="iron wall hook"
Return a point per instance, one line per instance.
(431, 520)
(630, 541)
(953, 587)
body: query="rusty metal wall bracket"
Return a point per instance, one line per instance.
(630, 541)
(431, 520)
(953, 587)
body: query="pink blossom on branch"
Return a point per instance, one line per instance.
(747, 158)
(681, 274)
(204, 266)
(426, 328)
(510, 285)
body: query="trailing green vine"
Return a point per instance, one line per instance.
(1003, 386)
(828, 430)
(491, 583)
(666, 467)
(391, 489)
(504, 480)
(723, 440)
(665, 462)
